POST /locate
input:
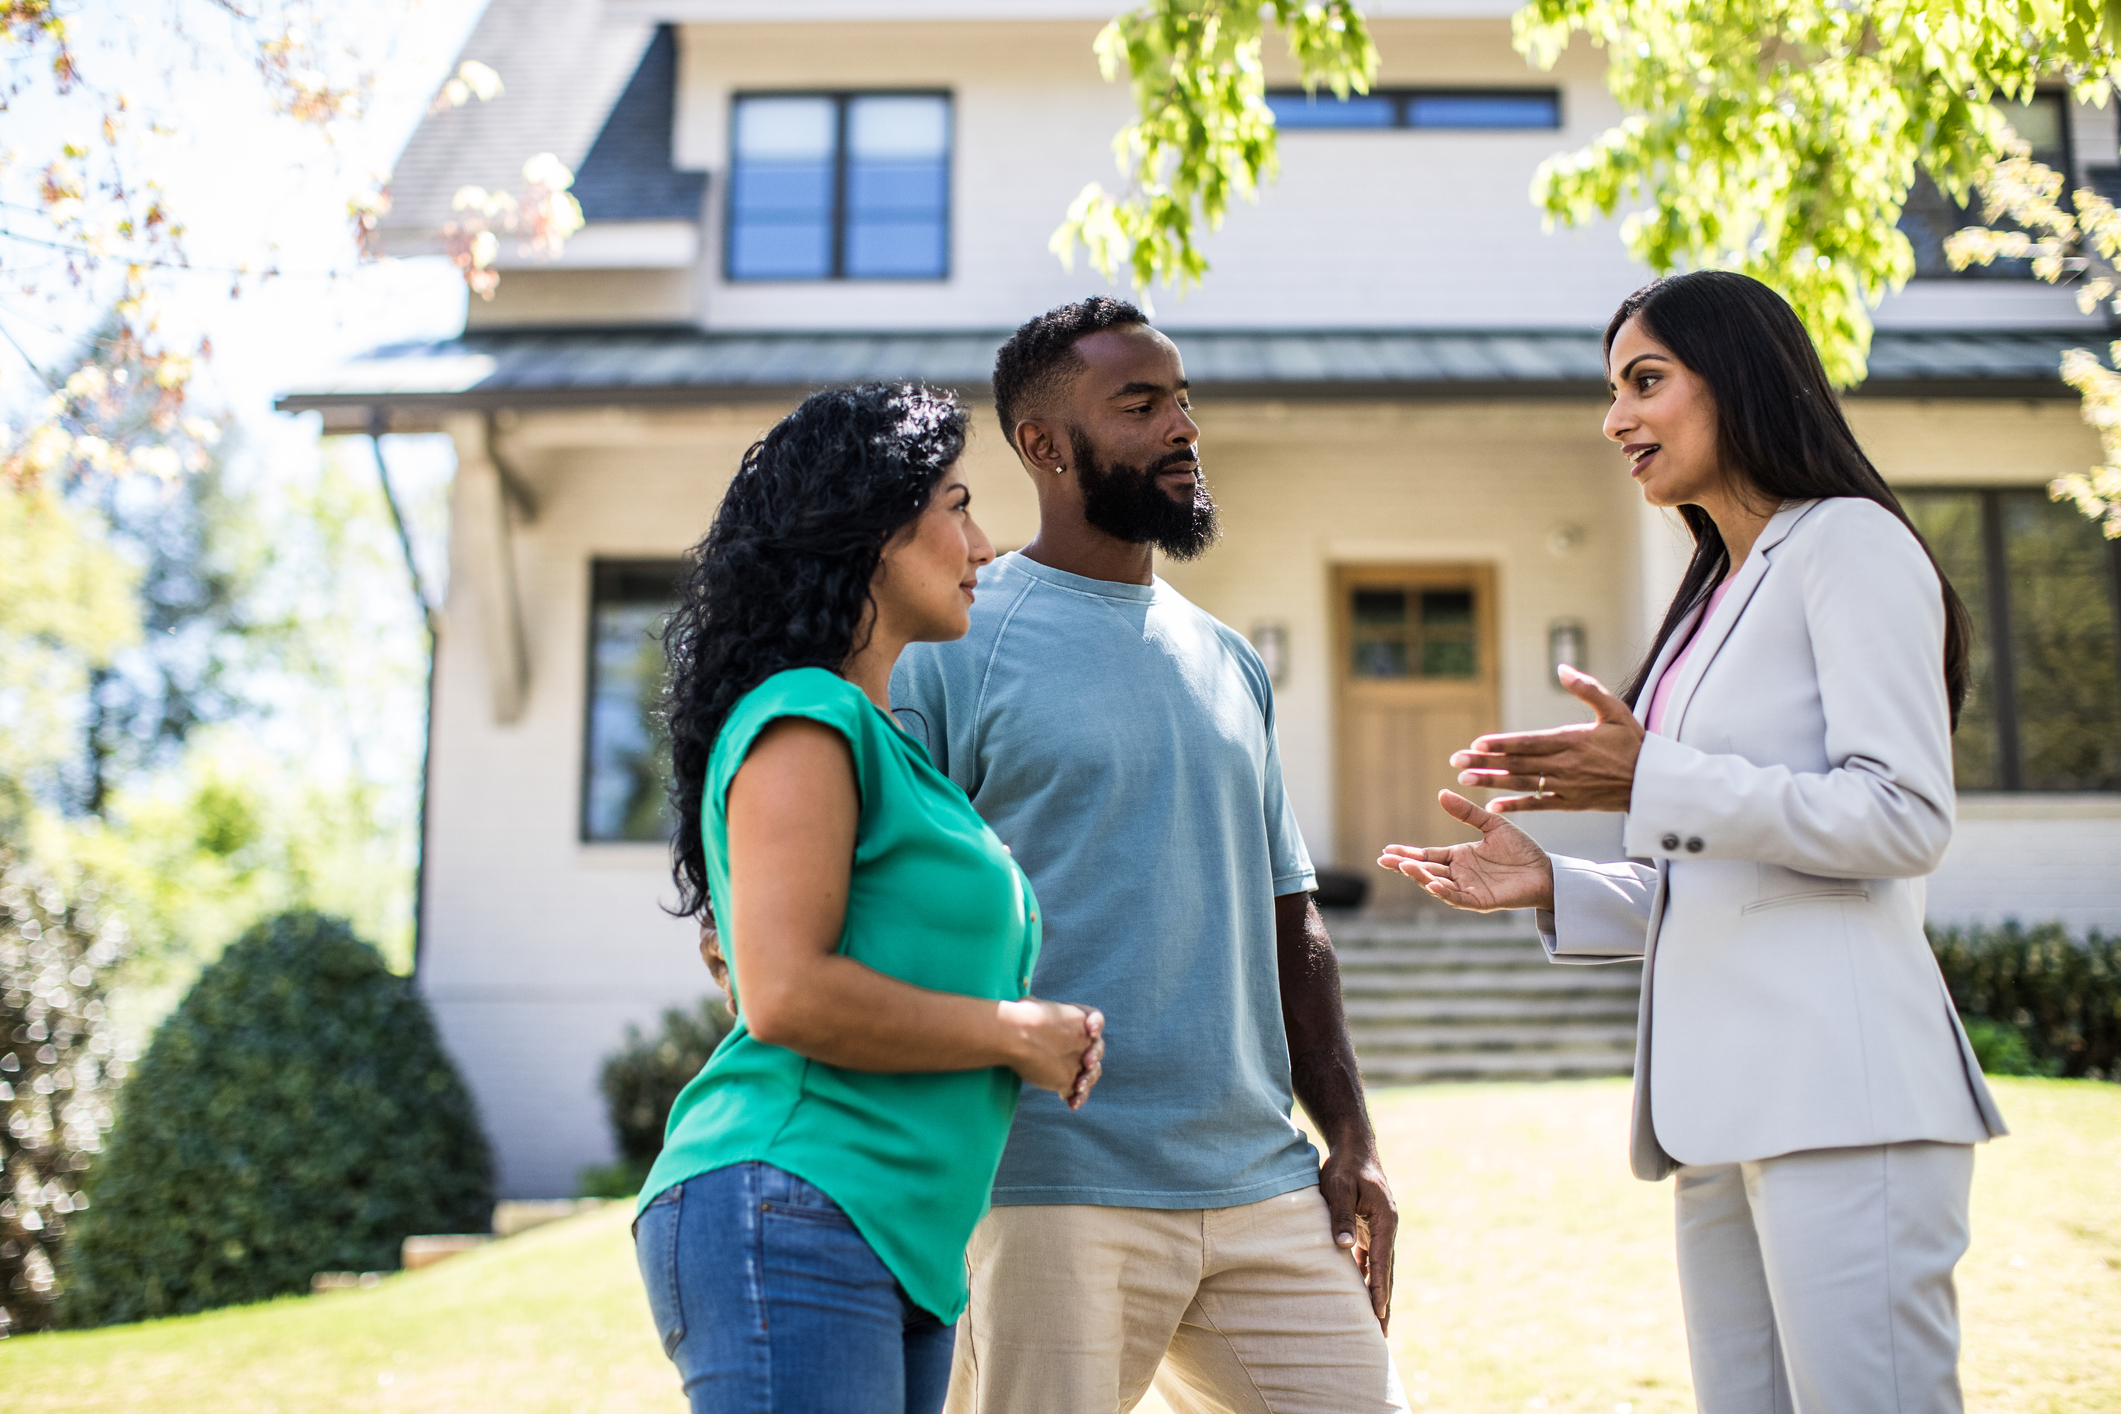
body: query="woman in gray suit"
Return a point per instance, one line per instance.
(1783, 759)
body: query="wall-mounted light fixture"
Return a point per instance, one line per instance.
(1565, 644)
(1270, 639)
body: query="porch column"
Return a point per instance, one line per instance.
(486, 541)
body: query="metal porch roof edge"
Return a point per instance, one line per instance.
(678, 366)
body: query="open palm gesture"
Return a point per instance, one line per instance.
(1504, 869)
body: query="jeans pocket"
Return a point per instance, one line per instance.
(655, 1247)
(794, 1197)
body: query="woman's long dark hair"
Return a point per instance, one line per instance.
(1778, 425)
(782, 579)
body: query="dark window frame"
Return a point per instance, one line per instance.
(605, 574)
(1402, 98)
(842, 100)
(2001, 269)
(1995, 558)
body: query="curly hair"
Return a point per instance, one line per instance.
(782, 578)
(1040, 356)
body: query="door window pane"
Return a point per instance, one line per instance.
(2062, 645)
(1380, 621)
(1422, 633)
(627, 753)
(1447, 633)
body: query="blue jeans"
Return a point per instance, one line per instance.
(769, 1302)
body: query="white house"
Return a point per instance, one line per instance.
(1398, 380)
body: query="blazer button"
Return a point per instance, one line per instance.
(1693, 846)
(1670, 841)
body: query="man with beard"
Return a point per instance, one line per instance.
(1121, 742)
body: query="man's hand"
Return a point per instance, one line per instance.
(1329, 1086)
(1365, 1218)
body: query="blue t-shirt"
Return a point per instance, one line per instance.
(1120, 741)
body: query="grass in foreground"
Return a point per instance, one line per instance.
(1534, 1273)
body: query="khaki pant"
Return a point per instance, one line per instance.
(1821, 1282)
(1076, 1309)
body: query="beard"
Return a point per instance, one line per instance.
(1126, 502)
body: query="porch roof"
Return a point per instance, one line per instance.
(546, 368)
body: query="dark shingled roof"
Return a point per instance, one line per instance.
(586, 367)
(627, 174)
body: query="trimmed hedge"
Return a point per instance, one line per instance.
(295, 1114)
(641, 1081)
(2061, 997)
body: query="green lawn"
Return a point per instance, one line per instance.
(1534, 1274)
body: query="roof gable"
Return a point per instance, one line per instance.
(563, 65)
(628, 173)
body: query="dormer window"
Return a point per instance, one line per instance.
(844, 186)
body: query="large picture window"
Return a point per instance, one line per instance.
(848, 186)
(2043, 587)
(626, 756)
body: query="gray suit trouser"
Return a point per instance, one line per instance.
(1821, 1282)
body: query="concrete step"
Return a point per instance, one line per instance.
(1492, 1065)
(1574, 981)
(1383, 1041)
(1442, 957)
(1450, 1010)
(1448, 997)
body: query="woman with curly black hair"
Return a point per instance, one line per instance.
(802, 1234)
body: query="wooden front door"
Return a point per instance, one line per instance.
(1416, 674)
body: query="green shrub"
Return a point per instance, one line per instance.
(294, 1114)
(2001, 1049)
(641, 1081)
(59, 942)
(2060, 996)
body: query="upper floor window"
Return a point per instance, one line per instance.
(2042, 123)
(626, 755)
(1448, 109)
(847, 186)
(2043, 588)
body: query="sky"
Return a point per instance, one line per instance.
(253, 188)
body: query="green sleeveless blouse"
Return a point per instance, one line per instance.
(934, 900)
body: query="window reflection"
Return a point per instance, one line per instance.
(2043, 590)
(627, 764)
(839, 186)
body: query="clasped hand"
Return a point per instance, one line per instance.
(1059, 1046)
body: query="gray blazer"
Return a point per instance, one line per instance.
(1780, 832)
